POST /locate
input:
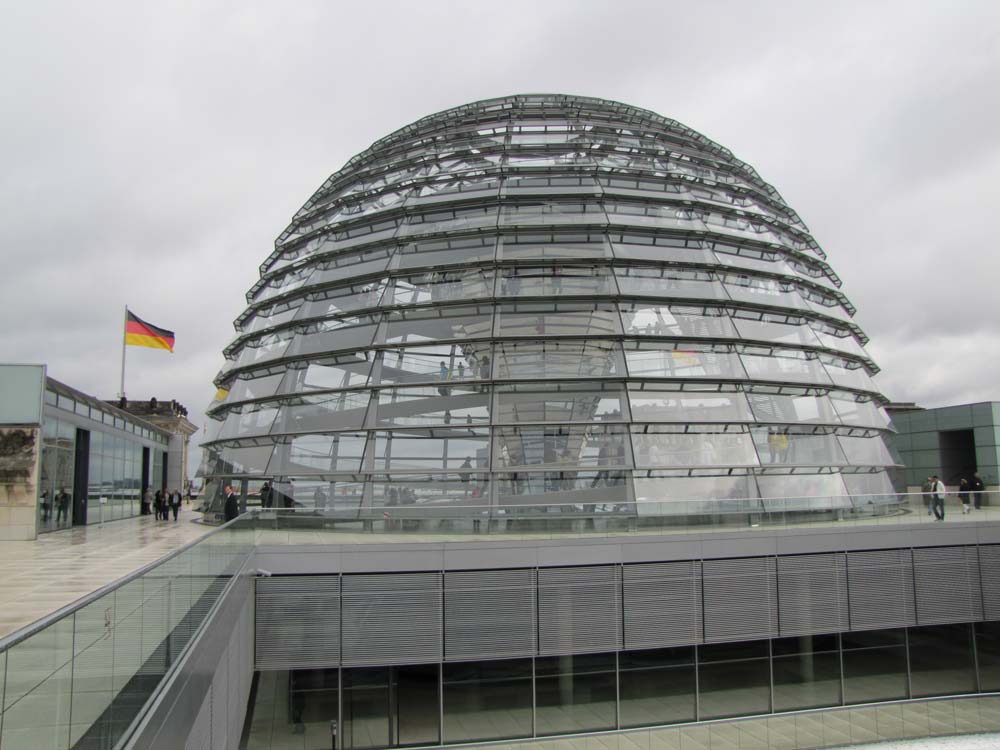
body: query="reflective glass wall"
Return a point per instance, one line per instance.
(550, 301)
(505, 699)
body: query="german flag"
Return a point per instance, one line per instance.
(140, 333)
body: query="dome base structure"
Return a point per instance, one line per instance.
(549, 307)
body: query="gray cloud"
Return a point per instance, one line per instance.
(152, 153)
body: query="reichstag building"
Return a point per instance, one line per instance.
(537, 306)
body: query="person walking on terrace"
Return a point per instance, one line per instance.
(231, 507)
(925, 490)
(964, 495)
(62, 506)
(175, 502)
(938, 493)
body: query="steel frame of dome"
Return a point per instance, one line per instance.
(547, 302)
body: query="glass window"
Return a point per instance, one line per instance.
(537, 446)
(759, 290)
(551, 213)
(556, 281)
(251, 459)
(806, 672)
(657, 687)
(734, 679)
(356, 332)
(847, 374)
(248, 387)
(538, 246)
(988, 653)
(432, 253)
(269, 317)
(861, 413)
(941, 661)
(252, 419)
(646, 319)
(343, 371)
(662, 249)
(438, 324)
(774, 328)
(770, 405)
(558, 359)
(575, 693)
(487, 700)
(442, 286)
(561, 402)
(545, 319)
(437, 490)
(326, 411)
(788, 365)
(693, 445)
(661, 403)
(687, 360)
(866, 451)
(366, 705)
(664, 495)
(844, 341)
(320, 454)
(797, 445)
(788, 492)
(570, 490)
(449, 219)
(263, 348)
(874, 666)
(342, 300)
(657, 281)
(463, 405)
(445, 363)
(433, 448)
(351, 265)
(656, 215)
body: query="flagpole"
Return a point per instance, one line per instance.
(121, 393)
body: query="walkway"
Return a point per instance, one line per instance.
(58, 568)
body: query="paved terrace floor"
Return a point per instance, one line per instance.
(40, 576)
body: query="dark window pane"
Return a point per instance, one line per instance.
(365, 708)
(734, 688)
(874, 666)
(806, 680)
(941, 660)
(487, 700)
(416, 705)
(988, 651)
(575, 693)
(657, 687)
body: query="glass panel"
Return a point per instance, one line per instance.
(487, 700)
(249, 387)
(575, 693)
(558, 359)
(438, 324)
(546, 247)
(874, 666)
(864, 413)
(734, 679)
(269, 317)
(988, 653)
(342, 300)
(595, 446)
(806, 672)
(445, 219)
(869, 487)
(791, 407)
(438, 490)
(263, 349)
(366, 708)
(658, 404)
(403, 407)
(556, 281)
(941, 661)
(417, 705)
(38, 690)
(693, 445)
(236, 460)
(442, 286)
(573, 490)
(344, 371)
(778, 329)
(786, 492)
(643, 319)
(655, 215)
(844, 343)
(356, 332)
(791, 446)
(669, 282)
(546, 319)
(856, 377)
(551, 213)
(432, 448)
(351, 265)
(680, 495)
(252, 419)
(308, 705)
(329, 411)
(762, 291)
(319, 454)
(561, 402)
(432, 253)
(664, 360)
(657, 687)
(446, 363)
(866, 451)
(787, 365)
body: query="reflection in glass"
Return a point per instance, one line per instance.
(661, 402)
(788, 365)
(442, 286)
(988, 654)
(537, 246)
(941, 661)
(693, 445)
(426, 490)
(344, 371)
(545, 319)
(657, 687)
(793, 445)
(320, 454)
(663, 494)
(429, 325)
(557, 359)
(555, 281)
(322, 411)
(561, 402)
(537, 446)
(563, 488)
(734, 679)
(669, 282)
(487, 700)
(806, 672)
(874, 666)
(688, 360)
(433, 448)
(649, 319)
(575, 693)
(404, 407)
(445, 363)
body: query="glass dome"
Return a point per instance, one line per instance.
(549, 303)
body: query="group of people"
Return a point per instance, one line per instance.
(162, 503)
(969, 493)
(60, 502)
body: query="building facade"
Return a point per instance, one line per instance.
(556, 303)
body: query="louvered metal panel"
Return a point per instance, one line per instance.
(298, 622)
(741, 599)
(489, 614)
(880, 589)
(947, 584)
(662, 604)
(812, 594)
(989, 567)
(579, 609)
(392, 618)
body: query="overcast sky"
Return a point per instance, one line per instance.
(151, 152)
